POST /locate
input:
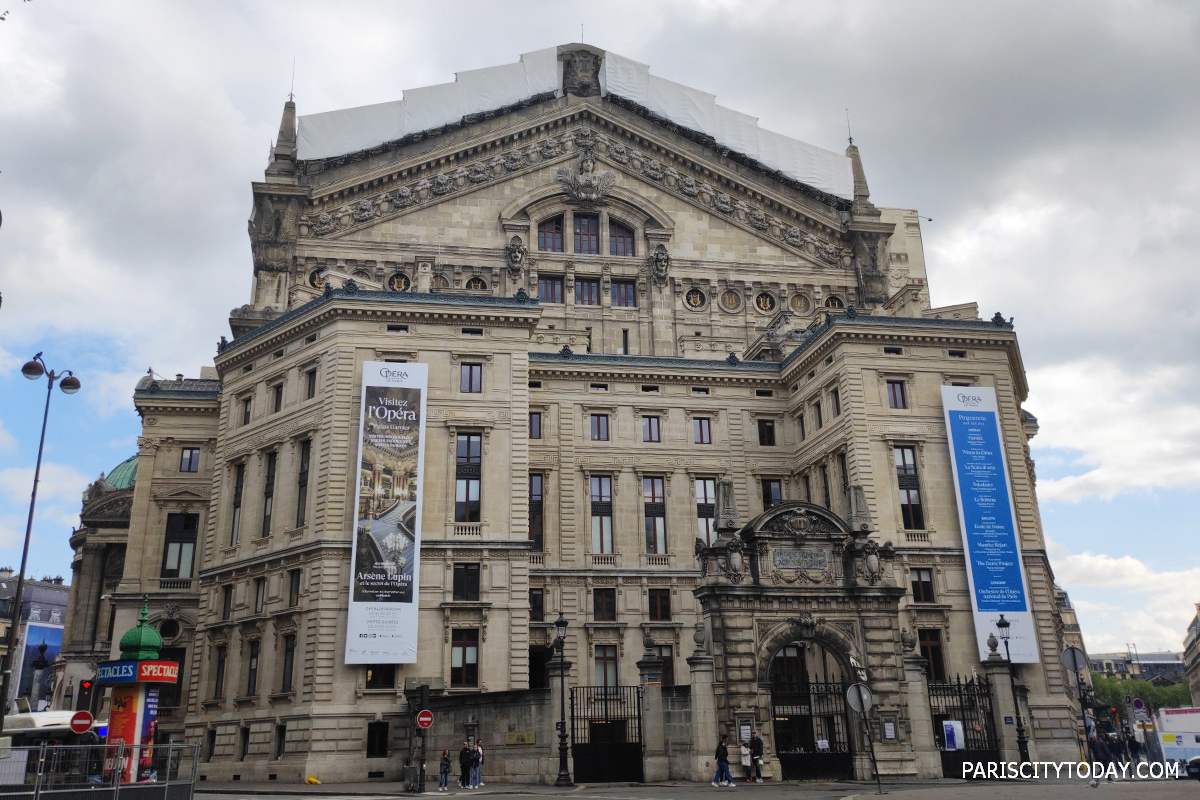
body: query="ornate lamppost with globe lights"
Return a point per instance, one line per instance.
(33, 369)
(1005, 629)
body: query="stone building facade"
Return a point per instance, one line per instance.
(624, 315)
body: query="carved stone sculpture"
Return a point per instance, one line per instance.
(660, 265)
(515, 252)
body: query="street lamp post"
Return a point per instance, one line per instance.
(560, 641)
(1004, 627)
(33, 369)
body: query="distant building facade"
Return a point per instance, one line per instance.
(1163, 668)
(44, 606)
(1191, 657)
(622, 318)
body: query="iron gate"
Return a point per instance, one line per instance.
(812, 733)
(606, 733)
(969, 702)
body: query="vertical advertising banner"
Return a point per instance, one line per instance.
(989, 526)
(39, 647)
(385, 564)
(123, 718)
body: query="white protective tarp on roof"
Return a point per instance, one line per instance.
(335, 133)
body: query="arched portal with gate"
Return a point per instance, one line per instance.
(812, 730)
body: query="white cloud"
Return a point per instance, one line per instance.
(7, 440)
(57, 482)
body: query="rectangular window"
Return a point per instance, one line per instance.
(893, 351)
(260, 595)
(800, 421)
(293, 588)
(650, 430)
(269, 493)
(654, 497)
(550, 289)
(277, 401)
(179, 547)
(599, 427)
(219, 673)
(466, 500)
(469, 452)
(539, 667)
(252, 669)
(601, 510)
(908, 484)
(302, 483)
(587, 292)
(189, 460)
(243, 743)
(825, 485)
(699, 390)
(469, 448)
(702, 430)
(624, 341)
(660, 605)
(471, 378)
(624, 294)
(536, 520)
(587, 233)
(464, 657)
(772, 492)
(280, 741)
(818, 414)
(604, 605)
(844, 473)
(381, 676)
(239, 483)
(922, 585)
(466, 582)
(766, 432)
(896, 397)
(310, 384)
(930, 641)
(226, 602)
(247, 406)
(667, 653)
(377, 739)
(606, 665)
(550, 235)
(169, 694)
(807, 489)
(706, 510)
(835, 397)
(620, 239)
(535, 424)
(537, 605)
(289, 663)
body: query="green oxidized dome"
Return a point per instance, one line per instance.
(141, 642)
(123, 474)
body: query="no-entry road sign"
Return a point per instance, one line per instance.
(81, 722)
(425, 718)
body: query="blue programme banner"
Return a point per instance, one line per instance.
(985, 512)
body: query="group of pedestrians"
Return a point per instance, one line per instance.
(751, 758)
(1112, 749)
(470, 765)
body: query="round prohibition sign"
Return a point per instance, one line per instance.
(81, 722)
(425, 718)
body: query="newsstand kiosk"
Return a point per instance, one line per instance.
(133, 712)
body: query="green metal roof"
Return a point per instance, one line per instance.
(123, 474)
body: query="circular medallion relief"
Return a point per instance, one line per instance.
(399, 282)
(476, 284)
(731, 300)
(315, 280)
(765, 302)
(834, 302)
(800, 304)
(695, 299)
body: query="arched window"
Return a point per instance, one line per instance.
(550, 234)
(834, 302)
(439, 283)
(620, 239)
(476, 284)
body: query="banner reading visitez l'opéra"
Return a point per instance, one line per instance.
(989, 525)
(385, 563)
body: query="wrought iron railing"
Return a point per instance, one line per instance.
(137, 772)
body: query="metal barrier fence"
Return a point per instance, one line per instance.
(93, 772)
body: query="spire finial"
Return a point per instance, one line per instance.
(292, 88)
(848, 134)
(145, 618)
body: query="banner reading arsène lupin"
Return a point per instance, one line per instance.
(385, 564)
(989, 528)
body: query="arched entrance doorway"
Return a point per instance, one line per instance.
(808, 713)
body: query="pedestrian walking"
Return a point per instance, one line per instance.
(723, 778)
(756, 755)
(1135, 750)
(479, 747)
(464, 765)
(476, 765)
(444, 772)
(746, 760)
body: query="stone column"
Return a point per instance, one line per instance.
(926, 759)
(559, 672)
(654, 735)
(996, 667)
(704, 716)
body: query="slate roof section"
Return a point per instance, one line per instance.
(187, 389)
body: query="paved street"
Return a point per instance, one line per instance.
(915, 790)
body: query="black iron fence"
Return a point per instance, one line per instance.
(96, 772)
(968, 703)
(606, 733)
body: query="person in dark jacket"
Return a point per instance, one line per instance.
(722, 756)
(465, 756)
(756, 755)
(444, 772)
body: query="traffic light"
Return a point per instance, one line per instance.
(84, 701)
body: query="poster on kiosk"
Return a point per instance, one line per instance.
(995, 573)
(385, 562)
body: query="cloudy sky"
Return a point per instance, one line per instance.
(1053, 144)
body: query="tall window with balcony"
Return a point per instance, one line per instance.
(239, 483)
(464, 658)
(602, 510)
(706, 510)
(179, 551)
(550, 235)
(624, 294)
(587, 233)
(269, 493)
(654, 498)
(772, 492)
(468, 461)
(537, 483)
(587, 292)
(909, 487)
(302, 483)
(620, 239)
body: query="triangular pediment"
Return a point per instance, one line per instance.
(179, 494)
